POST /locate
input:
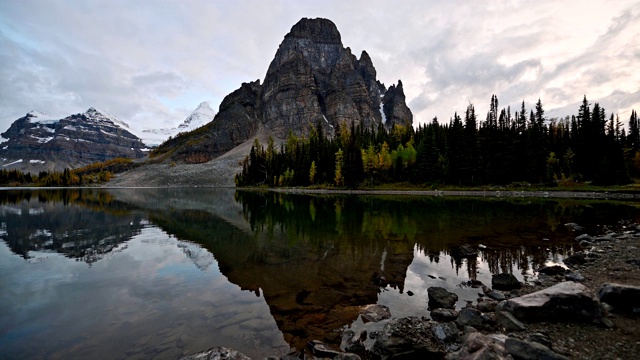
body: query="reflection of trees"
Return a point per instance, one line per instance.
(84, 224)
(511, 229)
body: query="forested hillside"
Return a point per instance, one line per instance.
(503, 149)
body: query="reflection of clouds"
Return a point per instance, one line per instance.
(425, 272)
(150, 290)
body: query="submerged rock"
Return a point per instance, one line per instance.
(505, 281)
(566, 301)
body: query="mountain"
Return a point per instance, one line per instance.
(200, 116)
(313, 79)
(37, 142)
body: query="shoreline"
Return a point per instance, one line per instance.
(462, 193)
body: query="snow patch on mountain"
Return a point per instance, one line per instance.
(202, 115)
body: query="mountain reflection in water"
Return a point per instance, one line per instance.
(174, 271)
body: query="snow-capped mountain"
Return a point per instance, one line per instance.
(200, 116)
(37, 142)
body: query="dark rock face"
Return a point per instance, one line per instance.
(566, 301)
(441, 298)
(235, 122)
(395, 107)
(505, 282)
(313, 80)
(408, 337)
(623, 298)
(37, 143)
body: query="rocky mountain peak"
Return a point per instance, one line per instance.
(319, 30)
(312, 81)
(37, 142)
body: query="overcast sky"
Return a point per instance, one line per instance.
(150, 63)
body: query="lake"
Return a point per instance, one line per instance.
(157, 273)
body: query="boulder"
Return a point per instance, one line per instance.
(566, 301)
(505, 281)
(408, 337)
(441, 298)
(441, 314)
(470, 317)
(477, 346)
(217, 353)
(528, 350)
(375, 313)
(623, 298)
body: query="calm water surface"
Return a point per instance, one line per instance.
(157, 273)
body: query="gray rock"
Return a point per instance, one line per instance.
(574, 276)
(583, 237)
(441, 314)
(217, 353)
(496, 295)
(446, 332)
(477, 346)
(354, 342)
(508, 321)
(505, 281)
(603, 238)
(586, 244)
(623, 298)
(375, 313)
(566, 301)
(540, 339)
(487, 305)
(407, 337)
(321, 350)
(470, 317)
(552, 270)
(577, 258)
(527, 350)
(441, 298)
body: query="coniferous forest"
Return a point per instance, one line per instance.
(525, 147)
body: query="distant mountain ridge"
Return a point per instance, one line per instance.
(199, 117)
(312, 80)
(38, 142)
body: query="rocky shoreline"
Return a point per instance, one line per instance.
(587, 308)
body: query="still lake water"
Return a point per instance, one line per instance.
(156, 273)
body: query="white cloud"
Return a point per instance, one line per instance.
(151, 62)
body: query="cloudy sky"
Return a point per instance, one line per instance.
(150, 63)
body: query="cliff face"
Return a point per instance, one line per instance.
(36, 142)
(313, 79)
